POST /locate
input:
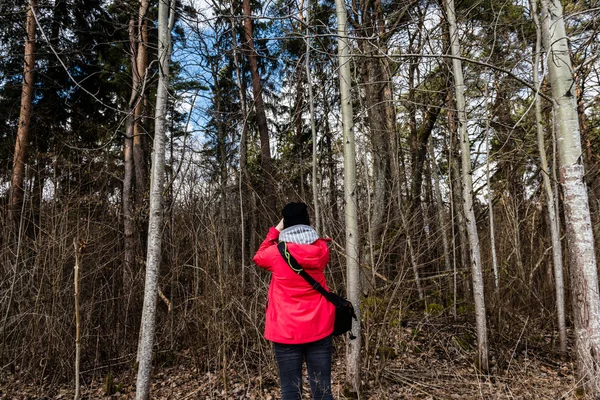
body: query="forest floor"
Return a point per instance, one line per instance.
(427, 361)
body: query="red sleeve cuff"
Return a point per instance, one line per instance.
(273, 234)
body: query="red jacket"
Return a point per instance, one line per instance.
(296, 313)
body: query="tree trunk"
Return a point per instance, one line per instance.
(331, 171)
(298, 180)
(128, 225)
(441, 215)
(580, 239)
(458, 219)
(259, 107)
(467, 192)
(353, 376)
(313, 126)
(139, 73)
(128, 176)
(553, 214)
(490, 197)
(15, 196)
(372, 77)
(165, 23)
(243, 178)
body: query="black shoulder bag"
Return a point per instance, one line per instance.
(344, 310)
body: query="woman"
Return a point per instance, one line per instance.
(299, 319)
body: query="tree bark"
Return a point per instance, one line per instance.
(298, 127)
(165, 23)
(259, 107)
(580, 239)
(313, 126)
(139, 74)
(458, 219)
(441, 215)
(375, 79)
(490, 198)
(353, 376)
(553, 214)
(77, 321)
(128, 224)
(128, 176)
(15, 196)
(243, 179)
(467, 190)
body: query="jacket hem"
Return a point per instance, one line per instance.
(300, 341)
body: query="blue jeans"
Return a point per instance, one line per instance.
(318, 362)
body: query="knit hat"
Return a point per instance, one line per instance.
(295, 214)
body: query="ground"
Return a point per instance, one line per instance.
(526, 379)
(424, 361)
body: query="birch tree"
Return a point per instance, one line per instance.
(490, 199)
(557, 254)
(351, 213)
(157, 178)
(580, 239)
(467, 192)
(15, 197)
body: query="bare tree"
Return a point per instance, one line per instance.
(243, 178)
(165, 23)
(580, 238)
(139, 67)
(467, 186)
(441, 214)
(490, 199)
(77, 320)
(352, 240)
(553, 215)
(313, 126)
(15, 196)
(128, 175)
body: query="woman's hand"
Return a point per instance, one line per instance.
(279, 226)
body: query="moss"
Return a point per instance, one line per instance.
(465, 309)
(371, 307)
(394, 323)
(372, 301)
(111, 387)
(434, 309)
(462, 343)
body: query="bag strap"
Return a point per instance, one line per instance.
(297, 268)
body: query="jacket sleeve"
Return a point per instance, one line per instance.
(260, 257)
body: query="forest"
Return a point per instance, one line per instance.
(449, 148)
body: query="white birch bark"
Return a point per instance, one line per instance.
(157, 179)
(351, 214)
(467, 183)
(557, 254)
(580, 239)
(490, 199)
